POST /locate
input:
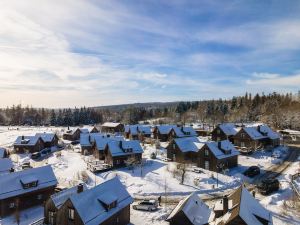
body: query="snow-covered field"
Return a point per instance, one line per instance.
(155, 178)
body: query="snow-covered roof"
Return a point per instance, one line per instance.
(267, 131)
(222, 149)
(46, 137)
(117, 148)
(10, 184)
(243, 204)
(195, 210)
(72, 131)
(5, 164)
(2, 152)
(101, 141)
(84, 130)
(91, 210)
(184, 131)
(26, 140)
(144, 129)
(136, 129)
(165, 129)
(86, 139)
(61, 197)
(253, 133)
(189, 144)
(228, 128)
(110, 124)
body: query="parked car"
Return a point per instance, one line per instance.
(197, 170)
(267, 186)
(36, 155)
(46, 151)
(252, 171)
(26, 165)
(148, 205)
(276, 154)
(166, 159)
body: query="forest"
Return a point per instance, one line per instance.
(278, 110)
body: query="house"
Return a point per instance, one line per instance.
(87, 142)
(26, 188)
(117, 153)
(86, 130)
(6, 166)
(54, 203)
(110, 127)
(28, 144)
(100, 145)
(273, 138)
(137, 132)
(161, 132)
(49, 139)
(217, 156)
(191, 211)
(214, 156)
(184, 149)
(180, 132)
(107, 203)
(224, 131)
(3, 153)
(249, 138)
(240, 207)
(72, 135)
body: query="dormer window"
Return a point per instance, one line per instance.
(29, 182)
(108, 200)
(25, 141)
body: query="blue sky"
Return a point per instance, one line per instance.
(73, 53)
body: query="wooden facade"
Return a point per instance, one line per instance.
(120, 161)
(218, 134)
(112, 128)
(208, 160)
(72, 135)
(203, 157)
(243, 139)
(180, 219)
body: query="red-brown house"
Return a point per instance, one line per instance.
(24, 189)
(28, 144)
(108, 203)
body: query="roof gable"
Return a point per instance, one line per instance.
(10, 184)
(91, 211)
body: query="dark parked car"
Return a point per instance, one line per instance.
(148, 205)
(267, 186)
(35, 155)
(252, 171)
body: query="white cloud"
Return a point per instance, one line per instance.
(275, 80)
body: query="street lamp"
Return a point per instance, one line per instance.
(219, 166)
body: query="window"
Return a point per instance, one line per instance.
(218, 131)
(39, 197)
(71, 214)
(51, 217)
(206, 152)
(242, 135)
(174, 146)
(206, 165)
(11, 205)
(242, 144)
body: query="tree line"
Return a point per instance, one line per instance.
(278, 110)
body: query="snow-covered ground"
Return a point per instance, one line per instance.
(155, 178)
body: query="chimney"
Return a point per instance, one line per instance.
(225, 204)
(68, 128)
(120, 144)
(22, 137)
(80, 188)
(89, 138)
(258, 128)
(219, 144)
